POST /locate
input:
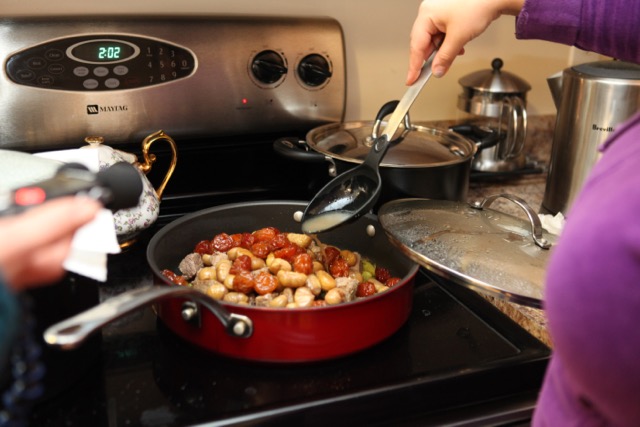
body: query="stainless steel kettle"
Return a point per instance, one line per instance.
(496, 99)
(592, 100)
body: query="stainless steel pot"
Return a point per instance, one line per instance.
(421, 161)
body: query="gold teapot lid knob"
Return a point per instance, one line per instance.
(94, 140)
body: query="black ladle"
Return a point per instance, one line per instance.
(355, 192)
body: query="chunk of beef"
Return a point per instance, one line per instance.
(190, 265)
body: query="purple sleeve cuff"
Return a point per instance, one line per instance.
(552, 20)
(608, 27)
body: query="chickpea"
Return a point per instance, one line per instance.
(228, 281)
(280, 301)
(327, 282)
(207, 273)
(313, 283)
(317, 265)
(350, 257)
(288, 293)
(301, 240)
(257, 263)
(334, 296)
(303, 297)
(234, 253)
(207, 259)
(291, 279)
(236, 298)
(217, 291)
(381, 288)
(279, 264)
(222, 269)
(270, 259)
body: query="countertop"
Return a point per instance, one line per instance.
(530, 187)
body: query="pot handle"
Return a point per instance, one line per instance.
(385, 110)
(71, 332)
(482, 137)
(536, 225)
(292, 148)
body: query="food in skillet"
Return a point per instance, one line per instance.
(269, 268)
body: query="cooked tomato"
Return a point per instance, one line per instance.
(382, 274)
(244, 282)
(339, 267)
(261, 249)
(302, 263)
(365, 289)
(222, 242)
(240, 264)
(174, 278)
(392, 282)
(266, 234)
(204, 247)
(265, 283)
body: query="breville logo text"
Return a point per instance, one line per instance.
(96, 109)
(601, 129)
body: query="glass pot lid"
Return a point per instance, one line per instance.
(413, 146)
(484, 249)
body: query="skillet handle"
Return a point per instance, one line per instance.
(71, 332)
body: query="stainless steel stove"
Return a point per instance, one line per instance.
(239, 84)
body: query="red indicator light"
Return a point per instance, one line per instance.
(245, 101)
(29, 196)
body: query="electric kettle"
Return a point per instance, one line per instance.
(592, 100)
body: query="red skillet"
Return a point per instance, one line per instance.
(255, 333)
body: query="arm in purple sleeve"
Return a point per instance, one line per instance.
(608, 27)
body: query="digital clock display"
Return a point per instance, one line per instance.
(104, 51)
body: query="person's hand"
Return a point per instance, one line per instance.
(460, 21)
(34, 244)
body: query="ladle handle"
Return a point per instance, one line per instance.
(407, 99)
(71, 332)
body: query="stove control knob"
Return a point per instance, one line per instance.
(268, 67)
(314, 70)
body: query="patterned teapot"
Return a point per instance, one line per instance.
(130, 222)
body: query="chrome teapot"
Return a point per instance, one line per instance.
(129, 223)
(496, 99)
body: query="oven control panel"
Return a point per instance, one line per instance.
(100, 62)
(125, 77)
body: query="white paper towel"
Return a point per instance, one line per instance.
(95, 240)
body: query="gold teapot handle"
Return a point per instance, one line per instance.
(149, 158)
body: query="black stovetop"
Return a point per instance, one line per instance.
(457, 358)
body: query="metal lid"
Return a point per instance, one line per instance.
(413, 146)
(489, 251)
(495, 80)
(609, 69)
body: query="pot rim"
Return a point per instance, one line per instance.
(467, 145)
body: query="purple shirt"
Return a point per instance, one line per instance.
(592, 296)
